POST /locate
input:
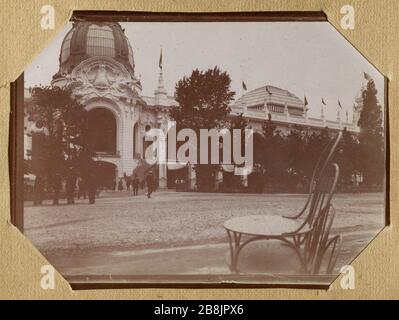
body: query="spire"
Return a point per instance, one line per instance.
(243, 104)
(161, 88)
(160, 92)
(339, 109)
(322, 116)
(160, 60)
(306, 108)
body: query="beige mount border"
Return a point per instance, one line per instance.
(375, 36)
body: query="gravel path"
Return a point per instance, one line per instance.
(171, 219)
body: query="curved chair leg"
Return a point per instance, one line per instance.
(236, 247)
(335, 250)
(234, 243)
(334, 245)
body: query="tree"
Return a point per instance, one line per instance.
(265, 148)
(371, 137)
(316, 144)
(238, 122)
(348, 156)
(203, 99)
(64, 123)
(230, 180)
(271, 152)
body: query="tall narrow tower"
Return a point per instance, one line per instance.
(161, 95)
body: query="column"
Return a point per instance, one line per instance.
(141, 141)
(322, 115)
(162, 164)
(126, 154)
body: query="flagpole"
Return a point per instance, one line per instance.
(305, 102)
(244, 90)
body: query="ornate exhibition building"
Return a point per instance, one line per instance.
(97, 61)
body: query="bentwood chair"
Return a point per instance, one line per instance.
(322, 163)
(308, 237)
(321, 216)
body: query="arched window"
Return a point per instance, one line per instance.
(102, 131)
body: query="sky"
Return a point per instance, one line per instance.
(305, 58)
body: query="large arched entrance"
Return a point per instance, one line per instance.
(102, 131)
(105, 175)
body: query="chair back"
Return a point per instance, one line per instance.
(320, 216)
(326, 243)
(322, 163)
(324, 160)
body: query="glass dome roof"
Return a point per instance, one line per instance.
(91, 39)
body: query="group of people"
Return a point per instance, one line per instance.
(85, 186)
(135, 184)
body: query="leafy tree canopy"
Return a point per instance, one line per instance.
(204, 99)
(64, 121)
(371, 138)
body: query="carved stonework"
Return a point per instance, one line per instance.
(102, 77)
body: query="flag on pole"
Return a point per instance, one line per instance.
(306, 104)
(244, 86)
(268, 91)
(322, 101)
(339, 104)
(160, 60)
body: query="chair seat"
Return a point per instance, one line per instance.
(262, 225)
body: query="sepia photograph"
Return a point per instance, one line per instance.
(202, 152)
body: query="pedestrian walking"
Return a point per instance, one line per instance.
(38, 189)
(128, 181)
(91, 185)
(120, 184)
(135, 185)
(150, 184)
(70, 187)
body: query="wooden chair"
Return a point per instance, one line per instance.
(321, 216)
(307, 235)
(323, 241)
(322, 163)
